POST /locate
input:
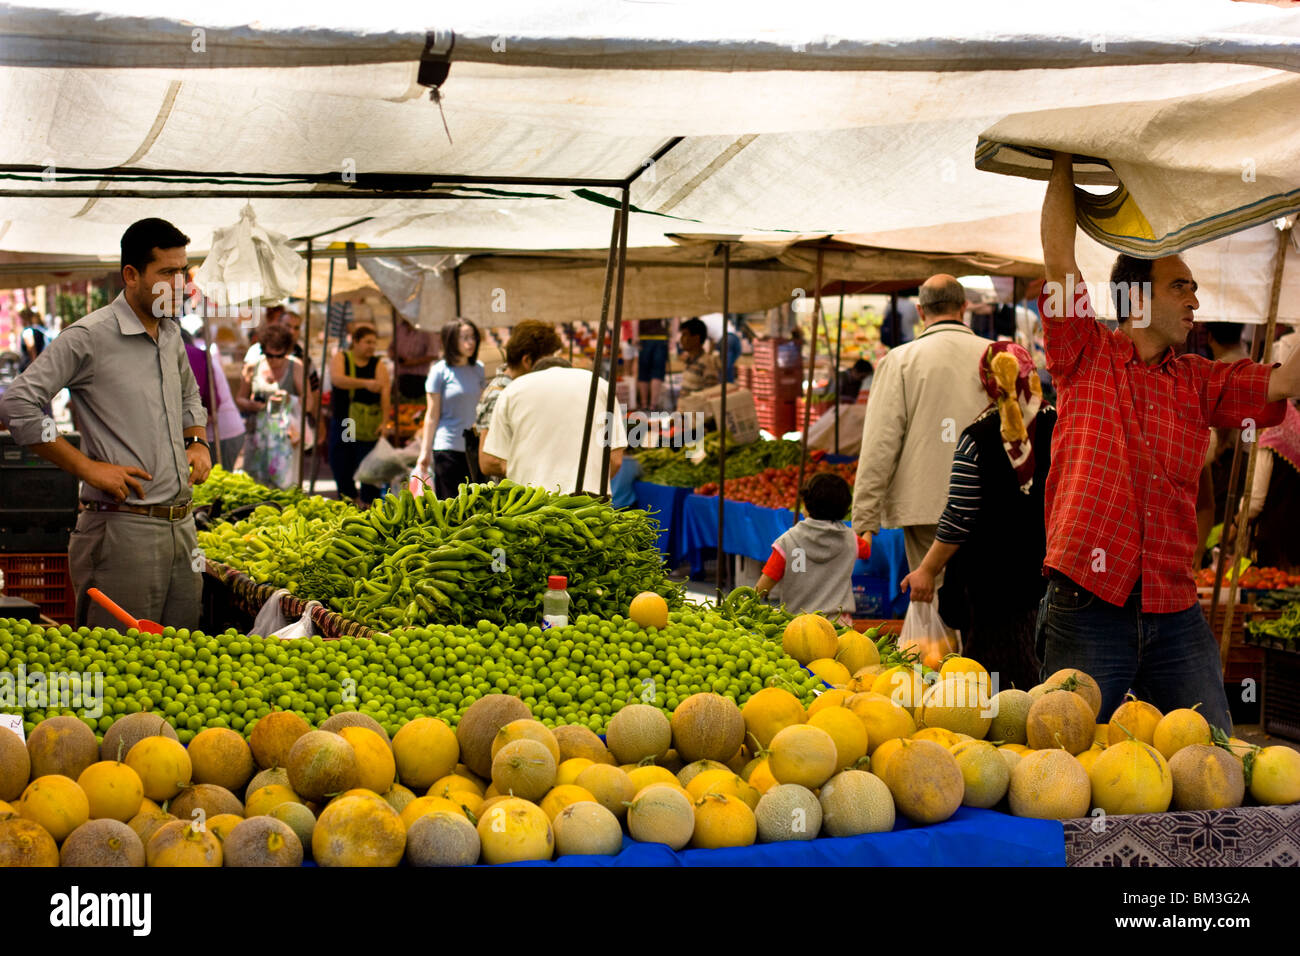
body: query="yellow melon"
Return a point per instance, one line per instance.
(662, 814)
(925, 780)
(809, 637)
(526, 729)
(770, 710)
(848, 732)
(643, 777)
(1131, 777)
(855, 651)
(830, 670)
(957, 702)
(723, 782)
(56, 803)
(358, 831)
(180, 844)
(1075, 680)
(1275, 776)
(568, 770)
(376, 767)
(707, 726)
(760, 778)
(1178, 729)
(163, 766)
(984, 771)
(563, 796)
(880, 759)
(222, 757)
(265, 799)
(1206, 778)
(113, 789)
(903, 685)
(835, 697)
(1134, 718)
(424, 750)
(722, 820)
(1060, 719)
(273, 737)
(514, 830)
(883, 718)
(803, 754)
(1049, 785)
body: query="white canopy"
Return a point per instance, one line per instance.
(836, 119)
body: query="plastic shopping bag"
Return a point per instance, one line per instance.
(925, 632)
(303, 627)
(382, 465)
(271, 617)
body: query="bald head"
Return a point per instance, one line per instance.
(942, 297)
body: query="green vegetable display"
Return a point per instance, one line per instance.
(583, 673)
(486, 554)
(282, 548)
(1284, 628)
(670, 466)
(234, 489)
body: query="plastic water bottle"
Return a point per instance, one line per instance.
(555, 603)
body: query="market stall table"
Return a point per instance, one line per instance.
(664, 502)
(227, 590)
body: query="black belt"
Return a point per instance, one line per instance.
(165, 512)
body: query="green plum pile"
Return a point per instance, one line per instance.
(484, 555)
(234, 489)
(580, 674)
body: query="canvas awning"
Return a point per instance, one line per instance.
(843, 119)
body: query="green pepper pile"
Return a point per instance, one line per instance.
(484, 555)
(234, 489)
(1284, 628)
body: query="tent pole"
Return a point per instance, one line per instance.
(722, 425)
(306, 337)
(616, 328)
(212, 382)
(569, 329)
(600, 341)
(1279, 262)
(839, 338)
(812, 371)
(306, 351)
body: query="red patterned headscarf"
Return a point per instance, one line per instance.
(1008, 375)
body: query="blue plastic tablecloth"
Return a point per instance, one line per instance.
(751, 529)
(664, 502)
(969, 838)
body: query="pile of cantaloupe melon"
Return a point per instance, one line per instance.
(503, 787)
(940, 739)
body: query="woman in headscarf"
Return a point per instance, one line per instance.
(1275, 495)
(992, 536)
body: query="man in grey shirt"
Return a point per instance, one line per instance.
(142, 431)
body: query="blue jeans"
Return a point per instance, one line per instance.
(1169, 660)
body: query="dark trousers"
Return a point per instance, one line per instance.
(1170, 660)
(450, 469)
(345, 456)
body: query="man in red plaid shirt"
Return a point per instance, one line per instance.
(1133, 430)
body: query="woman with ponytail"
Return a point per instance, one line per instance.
(992, 538)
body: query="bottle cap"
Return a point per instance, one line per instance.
(557, 582)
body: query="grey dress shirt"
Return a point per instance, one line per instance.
(133, 398)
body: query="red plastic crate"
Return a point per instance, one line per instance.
(44, 580)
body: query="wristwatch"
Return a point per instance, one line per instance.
(196, 440)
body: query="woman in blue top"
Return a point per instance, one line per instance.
(453, 386)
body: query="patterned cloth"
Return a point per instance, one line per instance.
(1242, 836)
(1121, 495)
(488, 400)
(1008, 375)
(703, 371)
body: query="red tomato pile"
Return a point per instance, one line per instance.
(1253, 578)
(777, 487)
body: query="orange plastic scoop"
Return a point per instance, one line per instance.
(141, 625)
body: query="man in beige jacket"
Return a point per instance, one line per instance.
(923, 395)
